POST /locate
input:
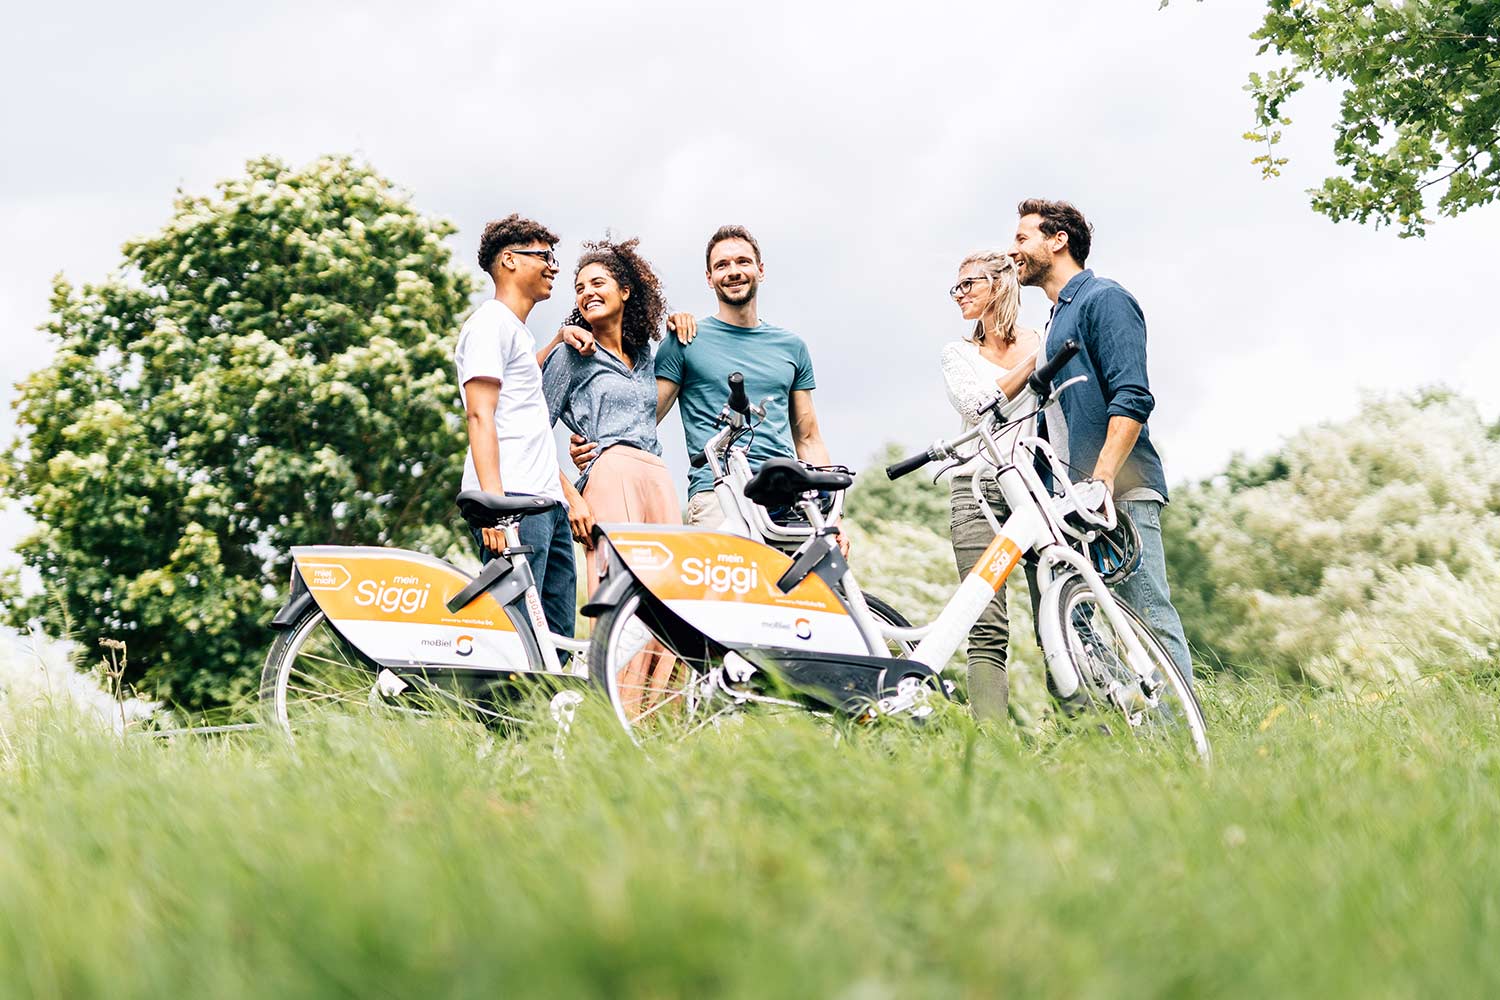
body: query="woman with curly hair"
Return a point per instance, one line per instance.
(606, 390)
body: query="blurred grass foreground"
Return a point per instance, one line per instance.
(1340, 846)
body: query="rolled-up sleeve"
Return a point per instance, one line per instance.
(1119, 350)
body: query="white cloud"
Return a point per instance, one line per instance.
(868, 146)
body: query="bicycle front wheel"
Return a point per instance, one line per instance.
(655, 692)
(313, 671)
(1164, 710)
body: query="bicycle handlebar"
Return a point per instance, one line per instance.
(699, 459)
(1041, 379)
(909, 464)
(738, 401)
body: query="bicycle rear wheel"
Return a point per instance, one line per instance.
(1165, 711)
(313, 674)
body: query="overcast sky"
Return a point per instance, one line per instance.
(868, 146)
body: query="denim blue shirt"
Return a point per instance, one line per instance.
(602, 398)
(1110, 328)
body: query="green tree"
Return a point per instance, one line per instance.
(914, 498)
(270, 369)
(1420, 107)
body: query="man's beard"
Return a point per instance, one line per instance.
(739, 296)
(1033, 272)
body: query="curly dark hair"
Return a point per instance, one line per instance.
(512, 231)
(1062, 217)
(646, 308)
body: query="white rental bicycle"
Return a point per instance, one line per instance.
(695, 626)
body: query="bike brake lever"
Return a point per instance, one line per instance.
(1070, 382)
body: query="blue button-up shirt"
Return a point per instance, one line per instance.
(603, 398)
(1109, 326)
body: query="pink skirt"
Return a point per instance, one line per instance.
(627, 485)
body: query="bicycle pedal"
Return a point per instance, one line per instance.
(737, 668)
(563, 705)
(388, 685)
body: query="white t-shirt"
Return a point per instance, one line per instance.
(970, 379)
(494, 344)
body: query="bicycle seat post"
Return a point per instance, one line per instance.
(810, 510)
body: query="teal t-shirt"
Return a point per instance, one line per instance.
(774, 362)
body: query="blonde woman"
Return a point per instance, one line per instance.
(996, 356)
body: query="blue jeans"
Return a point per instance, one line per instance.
(551, 561)
(1146, 590)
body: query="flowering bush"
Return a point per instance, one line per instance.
(1364, 551)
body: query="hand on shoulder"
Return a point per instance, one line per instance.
(579, 339)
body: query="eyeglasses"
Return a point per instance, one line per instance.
(547, 256)
(966, 286)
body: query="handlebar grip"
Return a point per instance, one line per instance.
(699, 459)
(908, 465)
(738, 401)
(1041, 379)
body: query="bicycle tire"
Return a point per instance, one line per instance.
(1096, 652)
(312, 673)
(885, 612)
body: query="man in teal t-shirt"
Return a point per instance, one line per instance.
(777, 369)
(775, 363)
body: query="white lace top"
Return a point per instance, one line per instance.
(971, 380)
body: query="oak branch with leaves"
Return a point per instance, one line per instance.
(270, 369)
(1420, 112)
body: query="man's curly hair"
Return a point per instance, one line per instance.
(647, 306)
(512, 231)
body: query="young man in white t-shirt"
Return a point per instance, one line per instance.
(511, 450)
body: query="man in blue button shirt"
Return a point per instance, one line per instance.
(1099, 427)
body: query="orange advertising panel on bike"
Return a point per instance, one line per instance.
(726, 585)
(392, 605)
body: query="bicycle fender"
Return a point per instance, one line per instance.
(297, 603)
(1049, 628)
(611, 590)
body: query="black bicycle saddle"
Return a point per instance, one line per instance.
(784, 480)
(485, 510)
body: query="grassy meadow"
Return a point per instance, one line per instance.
(1337, 847)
